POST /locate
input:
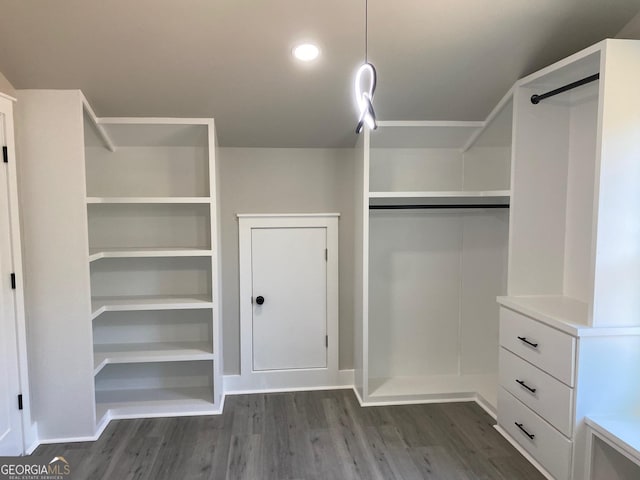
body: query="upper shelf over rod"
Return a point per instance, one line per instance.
(435, 198)
(439, 206)
(167, 200)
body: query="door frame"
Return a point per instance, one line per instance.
(250, 380)
(13, 253)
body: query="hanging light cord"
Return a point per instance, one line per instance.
(365, 98)
(366, 31)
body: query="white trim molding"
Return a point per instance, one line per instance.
(237, 384)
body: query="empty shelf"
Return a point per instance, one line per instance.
(417, 388)
(105, 354)
(97, 254)
(154, 402)
(158, 302)
(148, 199)
(620, 431)
(488, 197)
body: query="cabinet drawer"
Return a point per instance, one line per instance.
(548, 446)
(546, 348)
(548, 397)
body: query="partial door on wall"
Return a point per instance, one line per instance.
(289, 285)
(11, 441)
(288, 277)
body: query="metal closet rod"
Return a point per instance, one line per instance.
(436, 207)
(535, 99)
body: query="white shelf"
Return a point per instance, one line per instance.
(105, 354)
(494, 197)
(433, 387)
(159, 302)
(564, 313)
(97, 254)
(167, 200)
(154, 402)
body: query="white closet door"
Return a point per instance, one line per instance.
(289, 273)
(10, 416)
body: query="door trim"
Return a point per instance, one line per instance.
(299, 378)
(13, 253)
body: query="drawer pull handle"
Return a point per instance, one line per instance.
(524, 339)
(530, 435)
(521, 382)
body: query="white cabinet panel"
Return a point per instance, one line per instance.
(543, 346)
(541, 440)
(545, 395)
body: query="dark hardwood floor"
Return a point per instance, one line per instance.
(304, 435)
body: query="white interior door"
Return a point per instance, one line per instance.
(289, 290)
(10, 416)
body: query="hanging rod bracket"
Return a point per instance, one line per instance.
(536, 99)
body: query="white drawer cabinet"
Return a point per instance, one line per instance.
(545, 347)
(548, 397)
(536, 395)
(535, 435)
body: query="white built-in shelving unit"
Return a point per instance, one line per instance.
(152, 230)
(432, 240)
(434, 250)
(570, 322)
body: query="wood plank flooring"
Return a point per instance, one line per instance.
(321, 435)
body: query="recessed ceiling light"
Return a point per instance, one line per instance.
(306, 52)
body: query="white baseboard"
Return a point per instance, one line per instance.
(31, 438)
(524, 453)
(194, 413)
(32, 448)
(487, 407)
(357, 394)
(48, 441)
(418, 401)
(237, 384)
(103, 424)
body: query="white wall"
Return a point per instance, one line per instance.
(273, 180)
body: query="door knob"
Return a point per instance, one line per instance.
(260, 300)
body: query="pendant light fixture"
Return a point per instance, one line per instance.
(364, 97)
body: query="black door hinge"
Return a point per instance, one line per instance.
(5, 154)
(326, 341)
(326, 254)
(20, 402)
(13, 281)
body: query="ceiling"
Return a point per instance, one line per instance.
(230, 59)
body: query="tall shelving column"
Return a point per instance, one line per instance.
(434, 201)
(153, 254)
(51, 175)
(570, 323)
